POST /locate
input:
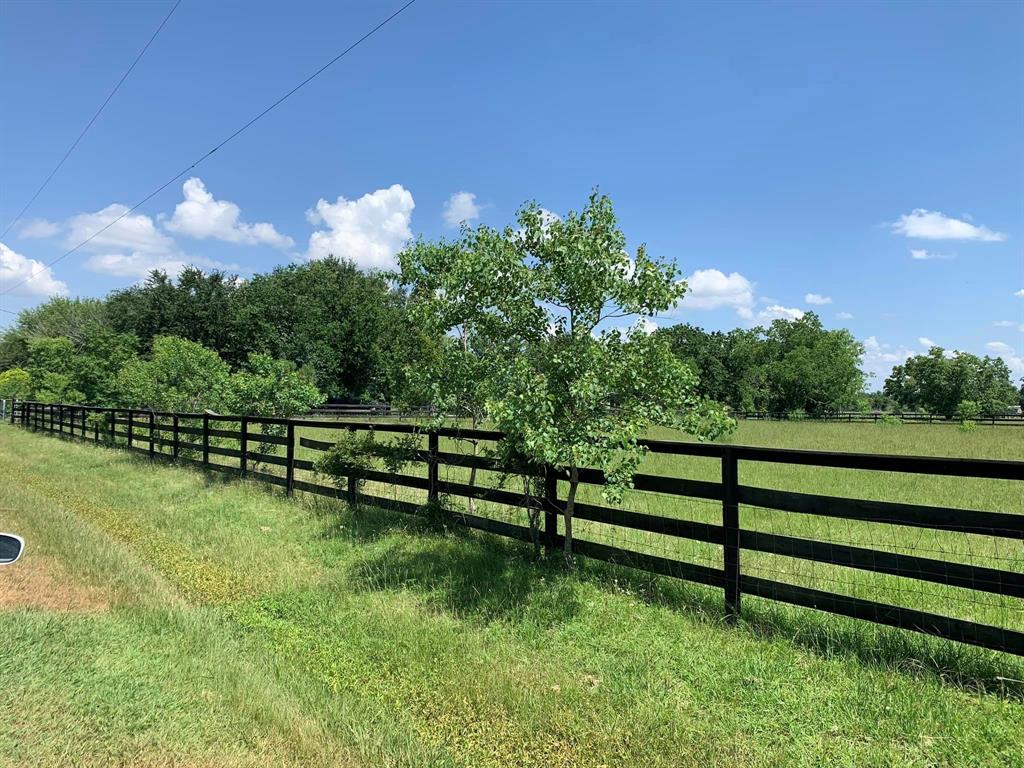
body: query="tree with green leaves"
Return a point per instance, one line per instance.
(57, 317)
(178, 375)
(198, 306)
(938, 382)
(729, 366)
(266, 386)
(66, 371)
(811, 369)
(15, 383)
(566, 387)
(346, 326)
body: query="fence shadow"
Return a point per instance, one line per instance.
(475, 577)
(969, 668)
(491, 578)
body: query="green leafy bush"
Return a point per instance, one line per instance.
(968, 410)
(355, 454)
(15, 383)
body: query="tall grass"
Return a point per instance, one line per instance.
(247, 629)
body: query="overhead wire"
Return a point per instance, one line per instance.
(219, 145)
(89, 125)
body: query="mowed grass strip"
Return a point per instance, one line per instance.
(262, 631)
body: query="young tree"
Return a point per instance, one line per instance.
(567, 388)
(179, 375)
(64, 370)
(270, 387)
(15, 383)
(442, 303)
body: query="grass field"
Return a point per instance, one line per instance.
(163, 616)
(968, 493)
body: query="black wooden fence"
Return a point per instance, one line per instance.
(875, 417)
(187, 436)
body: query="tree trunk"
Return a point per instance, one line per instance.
(533, 512)
(570, 504)
(472, 476)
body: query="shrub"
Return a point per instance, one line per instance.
(968, 410)
(355, 454)
(15, 383)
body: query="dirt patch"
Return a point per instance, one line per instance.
(40, 581)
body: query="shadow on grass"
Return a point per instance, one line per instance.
(954, 664)
(476, 577)
(484, 576)
(489, 578)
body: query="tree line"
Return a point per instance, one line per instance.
(360, 337)
(519, 328)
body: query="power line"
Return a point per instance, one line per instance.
(93, 120)
(234, 135)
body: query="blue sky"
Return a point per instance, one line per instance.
(779, 153)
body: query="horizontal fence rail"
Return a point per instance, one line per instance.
(257, 444)
(386, 410)
(876, 417)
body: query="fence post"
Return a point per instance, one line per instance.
(550, 507)
(60, 420)
(353, 486)
(289, 478)
(14, 407)
(113, 427)
(206, 438)
(152, 434)
(731, 533)
(243, 460)
(176, 449)
(96, 426)
(131, 427)
(433, 448)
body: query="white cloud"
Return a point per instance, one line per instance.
(647, 325)
(139, 263)
(844, 316)
(35, 277)
(38, 228)
(133, 232)
(131, 247)
(1019, 293)
(778, 312)
(369, 231)
(920, 254)
(925, 342)
(201, 216)
(460, 207)
(879, 359)
(818, 299)
(1009, 324)
(711, 289)
(1009, 355)
(933, 225)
